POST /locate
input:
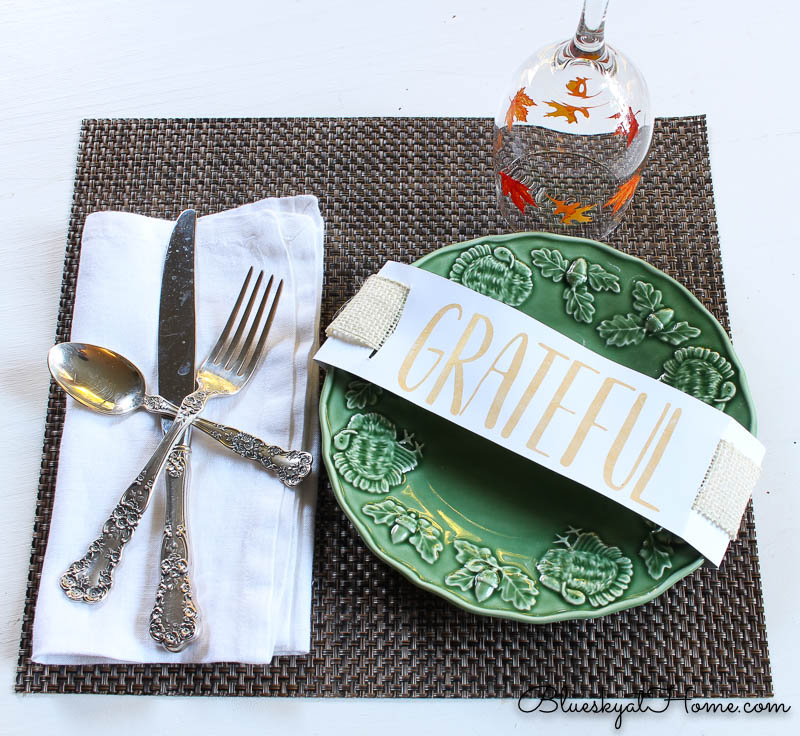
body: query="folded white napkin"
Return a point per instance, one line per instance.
(252, 538)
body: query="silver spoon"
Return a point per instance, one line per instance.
(109, 383)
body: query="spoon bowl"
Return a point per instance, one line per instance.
(97, 377)
(109, 383)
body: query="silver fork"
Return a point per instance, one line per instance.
(227, 369)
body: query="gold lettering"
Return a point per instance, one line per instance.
(622, 439)
(509, 377)
(655, 459)
(590, 419)
(455, 362)
(532, 388)
(555, 404)
(413, 353)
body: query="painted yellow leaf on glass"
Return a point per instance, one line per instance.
(566, 111)
(571, 212)
(577, 88)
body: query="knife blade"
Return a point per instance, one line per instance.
(176, 315)
(173, 621)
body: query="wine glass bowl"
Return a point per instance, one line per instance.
(572, 135)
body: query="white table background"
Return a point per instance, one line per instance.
(64, 61)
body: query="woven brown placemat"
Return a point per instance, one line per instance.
(399, 188)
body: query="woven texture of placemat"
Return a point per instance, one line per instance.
(399, 188)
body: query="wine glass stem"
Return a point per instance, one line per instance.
(589, 38)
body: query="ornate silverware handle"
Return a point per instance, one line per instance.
(173, 620)
(290, 467)
(90, 578)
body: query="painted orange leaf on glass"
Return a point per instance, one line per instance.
(563, 110)
(577, 88)
(572, 212)
(519, 193)
(628, 125)
(498, 142)
(518, 109)
(624, 193)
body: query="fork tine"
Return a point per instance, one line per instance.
(259, 349)
(214, 354)
(251, 335)
(234, 341)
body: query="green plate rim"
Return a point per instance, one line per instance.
(365, 532)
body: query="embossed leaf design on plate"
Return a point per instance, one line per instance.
(650, 318)
(580, 279)
(362, 394)
(408, 526)
(657, 550)
(483, 575)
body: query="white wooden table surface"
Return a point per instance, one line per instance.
(64, 61)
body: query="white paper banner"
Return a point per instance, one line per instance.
(497, 372)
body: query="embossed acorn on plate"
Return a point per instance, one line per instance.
(494, 272)
(581, 279)
(702, 373)
(651, 319)
(408, 525)
(586, 568)
(483, 575)
(369, 455)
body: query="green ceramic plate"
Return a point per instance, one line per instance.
(491, 531)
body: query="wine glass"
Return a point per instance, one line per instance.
(572, 135)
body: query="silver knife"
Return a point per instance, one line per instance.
(173, 621)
